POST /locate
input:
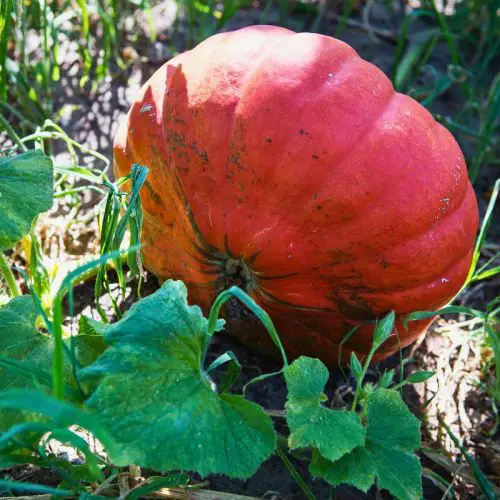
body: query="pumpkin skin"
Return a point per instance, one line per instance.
(286, 164)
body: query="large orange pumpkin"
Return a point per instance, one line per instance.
(286, 164)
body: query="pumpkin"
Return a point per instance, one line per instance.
(286, 164)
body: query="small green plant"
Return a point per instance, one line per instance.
(157, 353)
(118, 211)
(471, 36)
(28, 177)
(30, 77)
(207, 17)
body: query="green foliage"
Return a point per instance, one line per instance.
(50, 420)
(471, 36)
(5, 22)
(33, 488)
(376, 445)
(27, 177)
(26, 352)
(207, 17)
(90, 340)
(485, 271)
(392, 435)
(113, 228)
(151, 385)
(156, 355)
(485, 485)
(332, 432)
(21, 341)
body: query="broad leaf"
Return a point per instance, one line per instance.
(90, 340)
(332, 432)
(21, 341)
(392, 435)
(26, 353)
(158, 402)
(26, 188)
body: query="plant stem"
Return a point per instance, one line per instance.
(360, 381)
(6, 271)
(495, 343)
(58, 352)
(293, 472)
(11, 133)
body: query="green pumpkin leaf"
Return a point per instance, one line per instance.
(152, 388)
(26, 189)
(332, 432)
(392, 435)
(90, 340)
(26, 354)
(21, 341)
(355, 468)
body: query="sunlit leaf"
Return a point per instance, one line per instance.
(26, 188)
(152, 388)
(392, 435)
(333, 432)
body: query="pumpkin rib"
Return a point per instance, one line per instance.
(244, 88)
(242, 99)
(408, 300)
(425, 229)
(414, 238)
(278, 164)
(344, 159)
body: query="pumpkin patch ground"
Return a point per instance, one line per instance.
(249, 250)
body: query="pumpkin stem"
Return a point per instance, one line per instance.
(238, 273)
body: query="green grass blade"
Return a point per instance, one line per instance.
(486, 487)
(57, 311)
(487, 128)
(418, 315)
(84, 47)
(62, 414)
(488, 216)
(153, 484)
(232, 373)
(34, 488)
(415, 58)
(5, 18)
(262, 315)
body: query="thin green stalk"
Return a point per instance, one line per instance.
(5, 12)
(18, 115)
(457, 126)
(293, 472)
(483, 230)
(84, 47)
(46, 53)
(284, 7)
(11, 133)
(487, 488)
(348, 6)
(62, 136)
(58, 353)
(452, 46)
(363, 374)
(262, 315)
(91, 273)
(6, 271)
(495, 343)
